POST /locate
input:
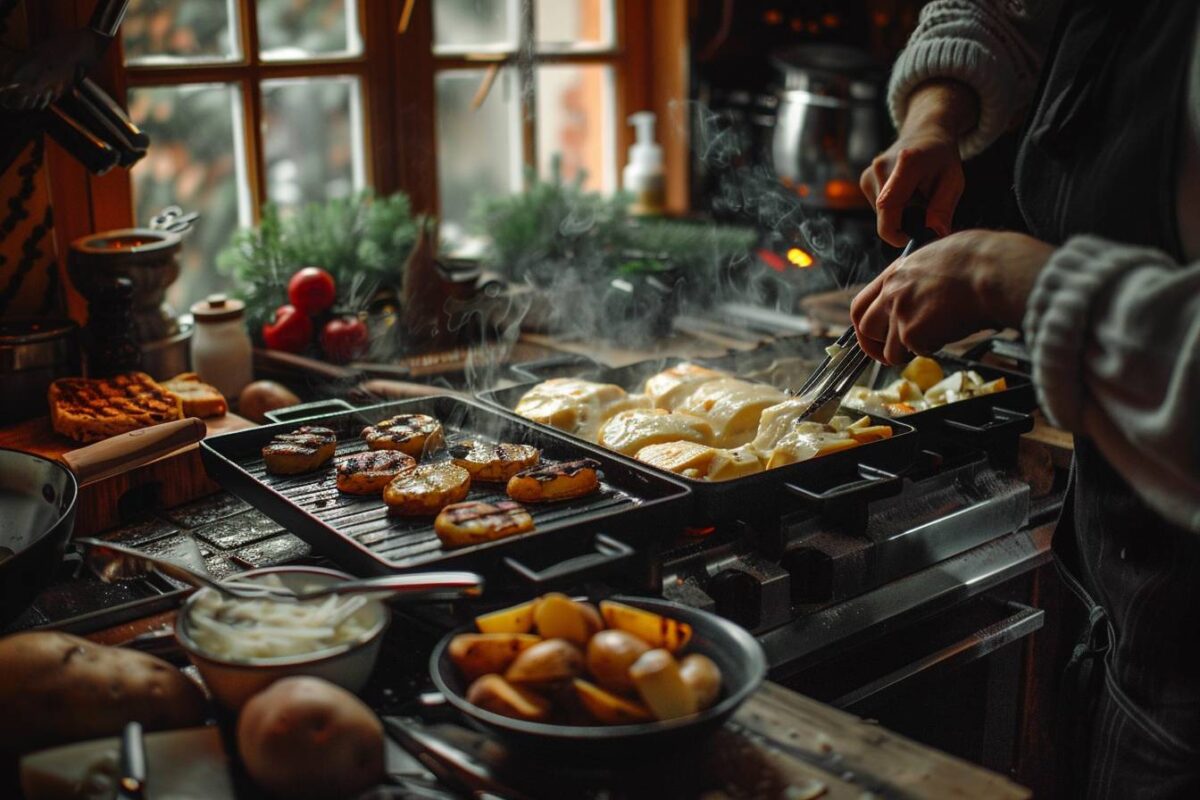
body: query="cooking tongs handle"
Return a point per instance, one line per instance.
(608, 553)
(912, 222)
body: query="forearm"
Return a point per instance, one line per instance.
(994, 48)
(1115, 336)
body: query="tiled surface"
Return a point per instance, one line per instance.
(218, 533)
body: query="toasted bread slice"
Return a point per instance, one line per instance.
(88, 410)
(198, 398)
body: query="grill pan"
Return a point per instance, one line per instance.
(813, 482)
(570, 540)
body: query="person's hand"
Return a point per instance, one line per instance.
(923, 160)
(947, 290)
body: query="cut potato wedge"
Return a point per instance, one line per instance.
(497, 695)
(702, 676)
(610, 654)
(651, 628)
(514, 619)
(559, 617)
(872, 433)
(548, 661)
(477, 654)
(656, 676)
(608, 708)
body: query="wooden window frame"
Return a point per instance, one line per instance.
(397, 69)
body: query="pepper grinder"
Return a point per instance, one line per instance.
(111, 336)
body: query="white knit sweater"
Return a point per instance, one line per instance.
(1114, 329)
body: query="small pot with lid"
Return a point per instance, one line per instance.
(34, 352)
(221, 350)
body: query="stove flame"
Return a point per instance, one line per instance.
(799, 258)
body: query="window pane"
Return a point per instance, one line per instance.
(575, 123)
(180, 31)
(197, 162)
(291, 30)
(313, 142)
(573, 24)
(479, 151)
(474, 25)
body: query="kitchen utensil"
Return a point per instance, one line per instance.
(827, 386)
(147, 257)
(113, 562)
(568, 543)
(233, 682)
(131, 763)
(741, 660)
(38, 495)
(452, 766)
(173, 220)
(830, 123)
(33, 353)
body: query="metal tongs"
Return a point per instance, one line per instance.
(827, 386)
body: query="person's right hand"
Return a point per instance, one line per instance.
(924, 160)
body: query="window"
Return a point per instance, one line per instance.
(503, 106)
(294, 101)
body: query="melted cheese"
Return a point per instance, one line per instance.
(733, 408)
(801, 445)
(672, 386)
(737, 463)
(573, 405)
(629, 431)
(684, 458)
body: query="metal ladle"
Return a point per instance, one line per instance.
(114, 562)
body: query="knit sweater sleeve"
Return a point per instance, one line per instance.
(1115, 337)
(994, 46)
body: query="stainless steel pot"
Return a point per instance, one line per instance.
(33, 353)
(831, 123)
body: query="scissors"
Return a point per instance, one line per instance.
(173, 220)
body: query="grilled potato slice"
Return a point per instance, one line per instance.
(473, 522)
(426, 489)
(414, 434)
(493, 462)
(371, 471)
(550, 482)
(303, 450)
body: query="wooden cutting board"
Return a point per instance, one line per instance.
(168, 481)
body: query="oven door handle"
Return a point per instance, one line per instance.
(608, 553)
(1023, 621)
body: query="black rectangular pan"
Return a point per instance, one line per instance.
(571, 539)
(874, 466)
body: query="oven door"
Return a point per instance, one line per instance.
(951, 680)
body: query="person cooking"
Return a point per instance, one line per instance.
(1106, 286)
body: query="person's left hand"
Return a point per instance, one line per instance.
(947, 290)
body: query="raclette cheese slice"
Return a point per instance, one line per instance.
(629, 431)
(574, 405)
(669, 388)
(732, 407)
(701, 462)
(801, 445)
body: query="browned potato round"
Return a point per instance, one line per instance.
(550, 661)
(610, 654)
(702, 676)
(305, 738)
(478, 654)
(497, 695)
(56, 688)
(559, 617)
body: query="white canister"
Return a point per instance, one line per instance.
(221, 350)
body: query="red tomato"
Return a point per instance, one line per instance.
(291, 331)
(344, 339)
(312, 290)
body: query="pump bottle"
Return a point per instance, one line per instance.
(643, 176)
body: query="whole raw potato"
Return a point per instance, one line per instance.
(305, 738)
(56, 688)
(262, 396)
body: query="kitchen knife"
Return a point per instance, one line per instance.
(131, 761)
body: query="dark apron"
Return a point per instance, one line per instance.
(1100, 155)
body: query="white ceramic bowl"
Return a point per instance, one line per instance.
(233, 682)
